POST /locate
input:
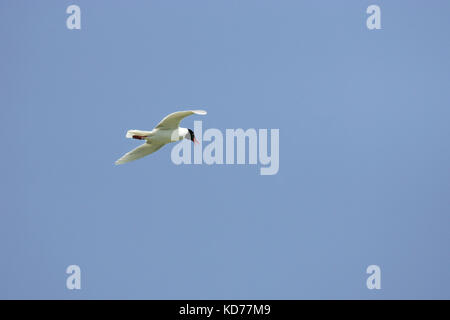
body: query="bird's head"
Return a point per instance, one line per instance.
(191, 136)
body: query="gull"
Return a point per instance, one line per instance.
(168, 130)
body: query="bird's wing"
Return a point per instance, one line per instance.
(172, 121)
(139, 152)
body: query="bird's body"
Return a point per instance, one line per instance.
(166, 131)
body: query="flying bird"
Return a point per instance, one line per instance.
(168, 130)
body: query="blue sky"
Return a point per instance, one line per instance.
(364, 149)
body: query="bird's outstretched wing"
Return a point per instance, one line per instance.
(172, 121)
(139, 152)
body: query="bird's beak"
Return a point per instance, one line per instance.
(196, 141)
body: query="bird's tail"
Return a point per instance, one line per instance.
(137, 134)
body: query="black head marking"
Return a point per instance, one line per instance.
(192, 136)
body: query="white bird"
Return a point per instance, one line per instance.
(168, 130)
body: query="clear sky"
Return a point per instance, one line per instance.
(364, 149)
